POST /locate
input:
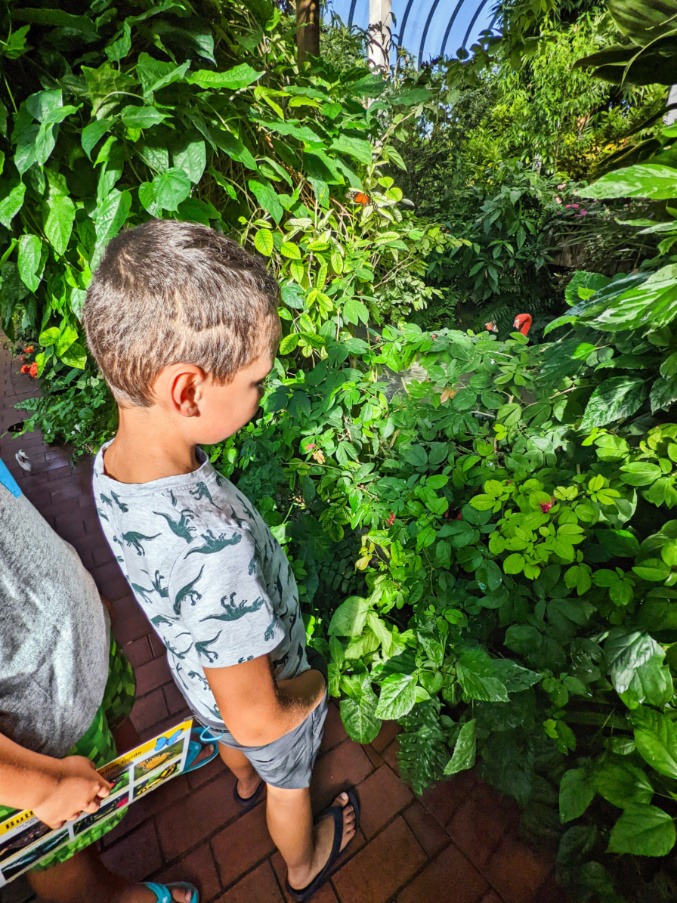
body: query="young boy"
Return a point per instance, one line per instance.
(183, 324)
(65, 690)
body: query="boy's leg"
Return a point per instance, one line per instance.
(305, 847)
(84, 877)
(247, 777)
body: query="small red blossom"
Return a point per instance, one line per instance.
(33, 370)
(25, 368)
(310, 446)
(391, 519)
(546, 506)
(29, 349)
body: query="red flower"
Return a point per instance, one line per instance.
(25, 368)
(391, 519)
(29, 349)
(546, 506)
(33, 370)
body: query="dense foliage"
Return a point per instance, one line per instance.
(480, 528)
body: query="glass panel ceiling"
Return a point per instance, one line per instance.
(427, 28)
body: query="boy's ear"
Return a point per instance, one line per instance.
(184, 383)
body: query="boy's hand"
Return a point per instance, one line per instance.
(76, 787)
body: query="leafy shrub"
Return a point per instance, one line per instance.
(480, 528)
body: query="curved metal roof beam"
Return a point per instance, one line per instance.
(353, 4)
(405, 17)
(472, 22)
(424, 35)
(450, 25)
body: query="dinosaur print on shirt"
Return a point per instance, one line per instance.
(209, 575)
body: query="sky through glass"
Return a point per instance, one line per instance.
(427, 28)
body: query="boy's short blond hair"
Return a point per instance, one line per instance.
(170, 292)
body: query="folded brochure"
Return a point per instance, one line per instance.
(25, 841)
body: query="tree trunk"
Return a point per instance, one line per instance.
(307, 28)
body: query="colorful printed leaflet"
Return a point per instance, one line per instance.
(24, 840)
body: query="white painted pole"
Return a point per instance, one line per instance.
(671, 115)
(380, 34)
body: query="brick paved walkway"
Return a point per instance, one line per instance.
(458, 844)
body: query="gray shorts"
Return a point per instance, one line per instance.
(288, 761)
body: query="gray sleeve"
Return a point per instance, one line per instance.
(221, 600)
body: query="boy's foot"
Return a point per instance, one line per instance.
(325, 831)
(245, 790)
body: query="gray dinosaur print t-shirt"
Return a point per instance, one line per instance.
(209, 574)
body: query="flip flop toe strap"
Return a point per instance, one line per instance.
(163, 892)
(301, 894)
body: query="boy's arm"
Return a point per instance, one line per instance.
(258, 711)
(57, 790)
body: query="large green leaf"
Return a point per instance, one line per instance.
(355, 147)
(11, 204)
(109, 218)
(643, 831)
(239, 77)
(479, 677)
(350, 617)
(267, 198)
(576, 792)
(622, 784)
(651, 305)
(464, 751)
(93, 133)
(155, 74)
(635, 663)
(59, 222)
(165, 192)
(28, 261)
(398, 696)
(614, 399)
(142, 117)
(191, 158)
(656, 740)
(644, 180)
(82, 26)
(358, 713)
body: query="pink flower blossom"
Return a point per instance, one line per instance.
(583, 213)
(575, 206)
(558, 200)
(562, 186)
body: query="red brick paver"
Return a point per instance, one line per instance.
(458, 844)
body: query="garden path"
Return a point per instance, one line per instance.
(457, 844)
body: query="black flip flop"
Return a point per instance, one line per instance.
(247, 803)
(303, 894)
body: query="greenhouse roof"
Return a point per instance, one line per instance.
(427, 28)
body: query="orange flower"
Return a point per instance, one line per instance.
(33, 370)
(25, 368)
(29, 349)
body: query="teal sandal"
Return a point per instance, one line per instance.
(200, 738)
(163, 892)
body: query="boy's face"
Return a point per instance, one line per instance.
(225, 409)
